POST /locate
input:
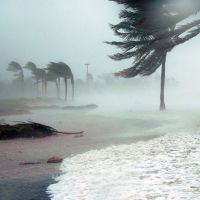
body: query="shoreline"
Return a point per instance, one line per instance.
(25, 189)
(31, 182)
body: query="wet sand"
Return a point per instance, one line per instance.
(30, 182)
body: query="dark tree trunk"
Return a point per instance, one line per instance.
(22, 83)
(57, 89)
(45, 88)
(72, 83)
(22, 87)
(37, 88)
(42, 88)
(65, 89)
(162, 89)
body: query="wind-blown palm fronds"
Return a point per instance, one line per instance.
(62, 70)
(39, 75)
(29, 130)
(149, 30)
(18, 73)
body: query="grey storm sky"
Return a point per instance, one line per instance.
(73, 31)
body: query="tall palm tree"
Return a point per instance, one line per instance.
(39, 75)
(18, 73)
(149, 31)
(62, 70)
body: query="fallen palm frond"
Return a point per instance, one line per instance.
(28, 130)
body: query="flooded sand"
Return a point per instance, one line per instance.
(101, 130)
(166, 167)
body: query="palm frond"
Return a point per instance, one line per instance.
(14, 67)
(150, 29)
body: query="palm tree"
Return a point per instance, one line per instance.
(62, 70)
(149, 31)
(19, 74)
(52, 77)
(39, 75)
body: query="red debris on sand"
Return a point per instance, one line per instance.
(55, 159)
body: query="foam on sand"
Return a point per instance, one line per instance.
(163, 168)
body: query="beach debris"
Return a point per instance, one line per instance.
(25, 130)
(29, 130)
(54, 159)
(30, 163)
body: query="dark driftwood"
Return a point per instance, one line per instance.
(28, 130)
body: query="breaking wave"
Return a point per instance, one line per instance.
(163, 168)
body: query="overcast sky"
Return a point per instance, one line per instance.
(73, 31)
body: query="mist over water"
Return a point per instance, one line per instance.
(163, 168)
(158, 152)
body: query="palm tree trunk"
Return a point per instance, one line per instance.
(72, 83)
(22, 87)
(57, 89)
(22, 82)
(45, 88)
(37, 88)
(162, 89)
(65, 89)
(42, 89)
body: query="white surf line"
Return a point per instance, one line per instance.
(163, 168)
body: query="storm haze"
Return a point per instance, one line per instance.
(68, 31)
(73, 91)
(73, 31)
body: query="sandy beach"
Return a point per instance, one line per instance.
(30, 182)
(101, 129)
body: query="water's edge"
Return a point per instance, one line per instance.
(25, 189)
(163, 168)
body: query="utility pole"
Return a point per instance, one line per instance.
(87, 71)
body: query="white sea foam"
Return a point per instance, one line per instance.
(163, 168)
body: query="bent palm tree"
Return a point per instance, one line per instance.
(62, 70)
(39, 75)
(149, 31)
(18, 70)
